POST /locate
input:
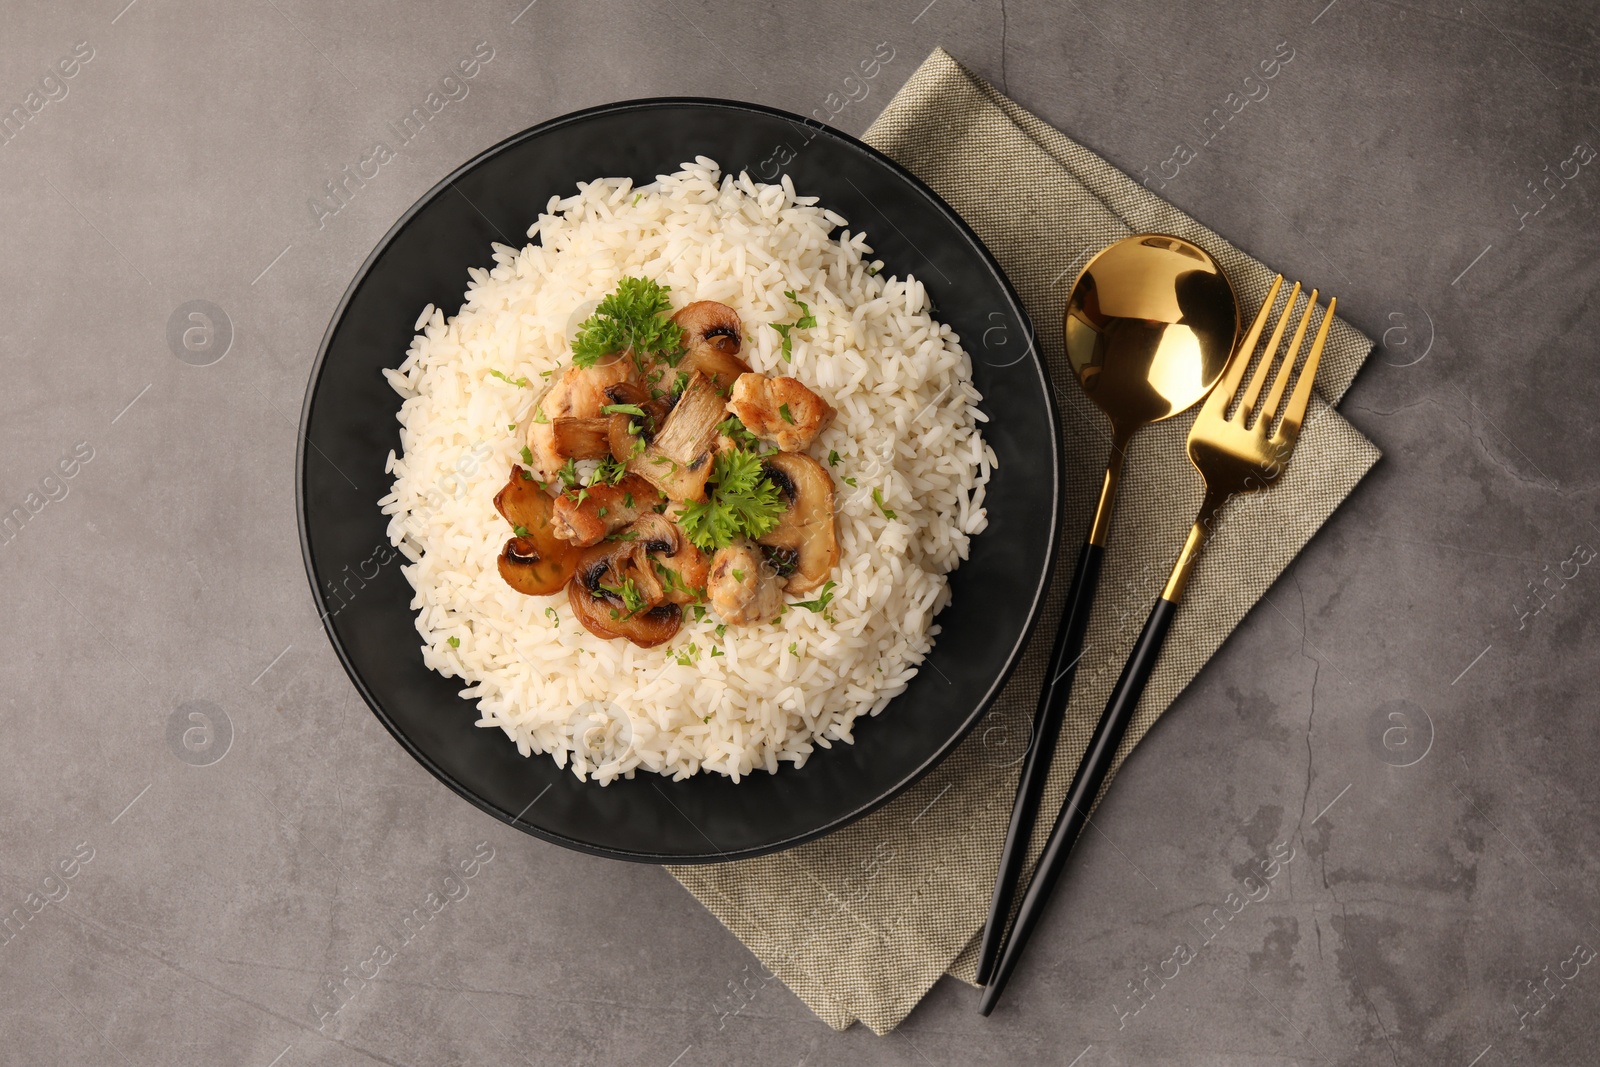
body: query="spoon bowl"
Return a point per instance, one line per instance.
(1149, 327)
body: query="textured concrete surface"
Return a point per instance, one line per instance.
(212, 827)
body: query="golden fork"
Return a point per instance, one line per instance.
(1234, 454)
(1237, 455)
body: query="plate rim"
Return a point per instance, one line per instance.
(946, 747)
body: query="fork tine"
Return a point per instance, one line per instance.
(1268, 354)
(1282, 380)
(1295, 413)
(1222, 395)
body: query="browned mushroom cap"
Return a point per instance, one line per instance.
(602, 570)
(679, 565)
(712, 336)
(804, 546)
(536, 561)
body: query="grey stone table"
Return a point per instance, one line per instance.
(202, 825)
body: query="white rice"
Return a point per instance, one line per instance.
(907, 426)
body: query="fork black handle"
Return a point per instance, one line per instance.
(1047, 718)
(1091, 774)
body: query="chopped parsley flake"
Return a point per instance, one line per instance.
(504, 377)
(820, 604)
(722, 630)
(877, 498)
(738, 575)
(453, 642)
(794, 648)
(622, 409)
(520, 531)
(609, 472)
(630, 596)
(715, 652)
(804, 322)
(568, 473)
(783, 410)
(527, 455)
(833, 458)
(851, 482)
(733, 428)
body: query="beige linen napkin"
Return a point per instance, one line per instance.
(862, 923)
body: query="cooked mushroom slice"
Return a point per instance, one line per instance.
(609, 601)
(628, 434)
(743, 587)
(712, 335)
(804, 546)
(681, 567)
(628, 437)
(781, 410)
(631, 391)
(579, 393)
(678, 460)
(585, 516)
(528, 571)
(536, 561)
(582, 438)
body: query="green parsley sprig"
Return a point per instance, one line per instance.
(740, 500)
(633, 318)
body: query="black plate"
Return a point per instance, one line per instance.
(348, 425)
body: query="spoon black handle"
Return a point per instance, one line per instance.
(1091, 775)
(1047, 718)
